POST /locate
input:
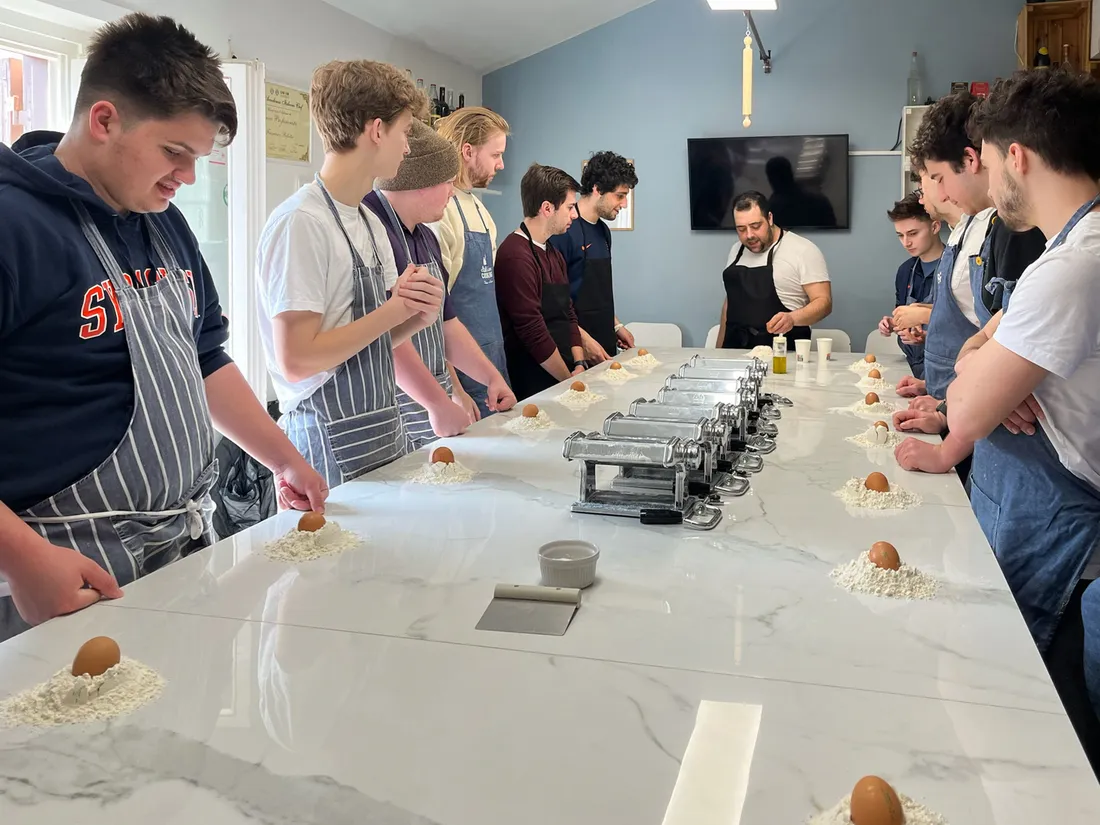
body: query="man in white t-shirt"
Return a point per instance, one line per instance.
(1037, 497)
(776, 281)
(327, 325)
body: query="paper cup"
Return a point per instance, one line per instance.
(802, 350)
(825, 349)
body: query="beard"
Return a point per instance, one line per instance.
(1013, 207)
(480, 180)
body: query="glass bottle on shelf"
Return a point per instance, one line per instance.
(420, 88)
(1066, 65)
(1042, 58)
(915, 90)
(462, 100)
(443, 109)
(433, 105)
(451, 101)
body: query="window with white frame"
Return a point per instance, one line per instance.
(34, 81)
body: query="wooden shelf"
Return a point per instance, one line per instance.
(1055, 24)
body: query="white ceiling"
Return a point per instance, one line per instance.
(487, 34)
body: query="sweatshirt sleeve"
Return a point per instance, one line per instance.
(519, 295)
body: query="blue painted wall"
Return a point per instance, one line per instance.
(644, 83)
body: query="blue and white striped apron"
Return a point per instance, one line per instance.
(429, 344)
(149, 502)
(351, 425)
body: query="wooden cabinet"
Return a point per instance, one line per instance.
(1056, 24)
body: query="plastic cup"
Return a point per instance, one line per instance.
(825, 349)
(802, 350)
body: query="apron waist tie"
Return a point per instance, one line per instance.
(193, 510)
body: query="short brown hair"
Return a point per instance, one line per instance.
(1054, 113)
(348, 95)
(474, 125)
(942, 135)
(545, 184)
(909, 207)
(153, 68)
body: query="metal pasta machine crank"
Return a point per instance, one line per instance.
(671, 502)
(715, 474)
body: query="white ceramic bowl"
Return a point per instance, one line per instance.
(568, 563)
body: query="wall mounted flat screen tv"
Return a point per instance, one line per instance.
(804, 176)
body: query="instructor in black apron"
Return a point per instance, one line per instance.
(542, 340)
(606, 184)
(776, 281)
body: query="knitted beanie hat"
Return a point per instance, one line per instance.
(432, 160)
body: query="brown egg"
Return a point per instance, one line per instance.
(882, 424)
(443, 455)
(530, 411)
(869, 358)
(578, 386)
(874, 374)
(643, 351)
(615, 365)
(884, 555)
(872, 398)
(874, 802)
(311, 522)
(877, 482)
(96, 656)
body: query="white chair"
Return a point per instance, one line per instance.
(712, 338)
(841, 341)
(656, 335)
(879, 344)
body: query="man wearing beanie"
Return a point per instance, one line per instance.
(417, 196)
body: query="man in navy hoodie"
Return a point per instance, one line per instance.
(111, 334)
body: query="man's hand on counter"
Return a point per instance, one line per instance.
(48, 581)
(919, 421)
(910, 387)
(499, 395)
(924, 403)
(914, 454)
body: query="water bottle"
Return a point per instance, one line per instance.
(915, 90)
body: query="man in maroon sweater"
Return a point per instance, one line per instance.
(541, 338)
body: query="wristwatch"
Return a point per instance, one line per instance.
(580, 364)
(618, 327)
(942, 407)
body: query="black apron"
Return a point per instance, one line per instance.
(528, 376)
(595, 304)
(751, 301)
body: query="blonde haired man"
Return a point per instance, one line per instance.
(328, 327)
(468, 236)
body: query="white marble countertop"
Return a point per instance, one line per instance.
(355, 688)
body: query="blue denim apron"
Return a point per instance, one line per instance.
(914, 353)
(474, 297)
(1042, 521)
(998, 287)
(1090, 614)
(949, 328)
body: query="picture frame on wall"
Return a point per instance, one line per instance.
(625, 221)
